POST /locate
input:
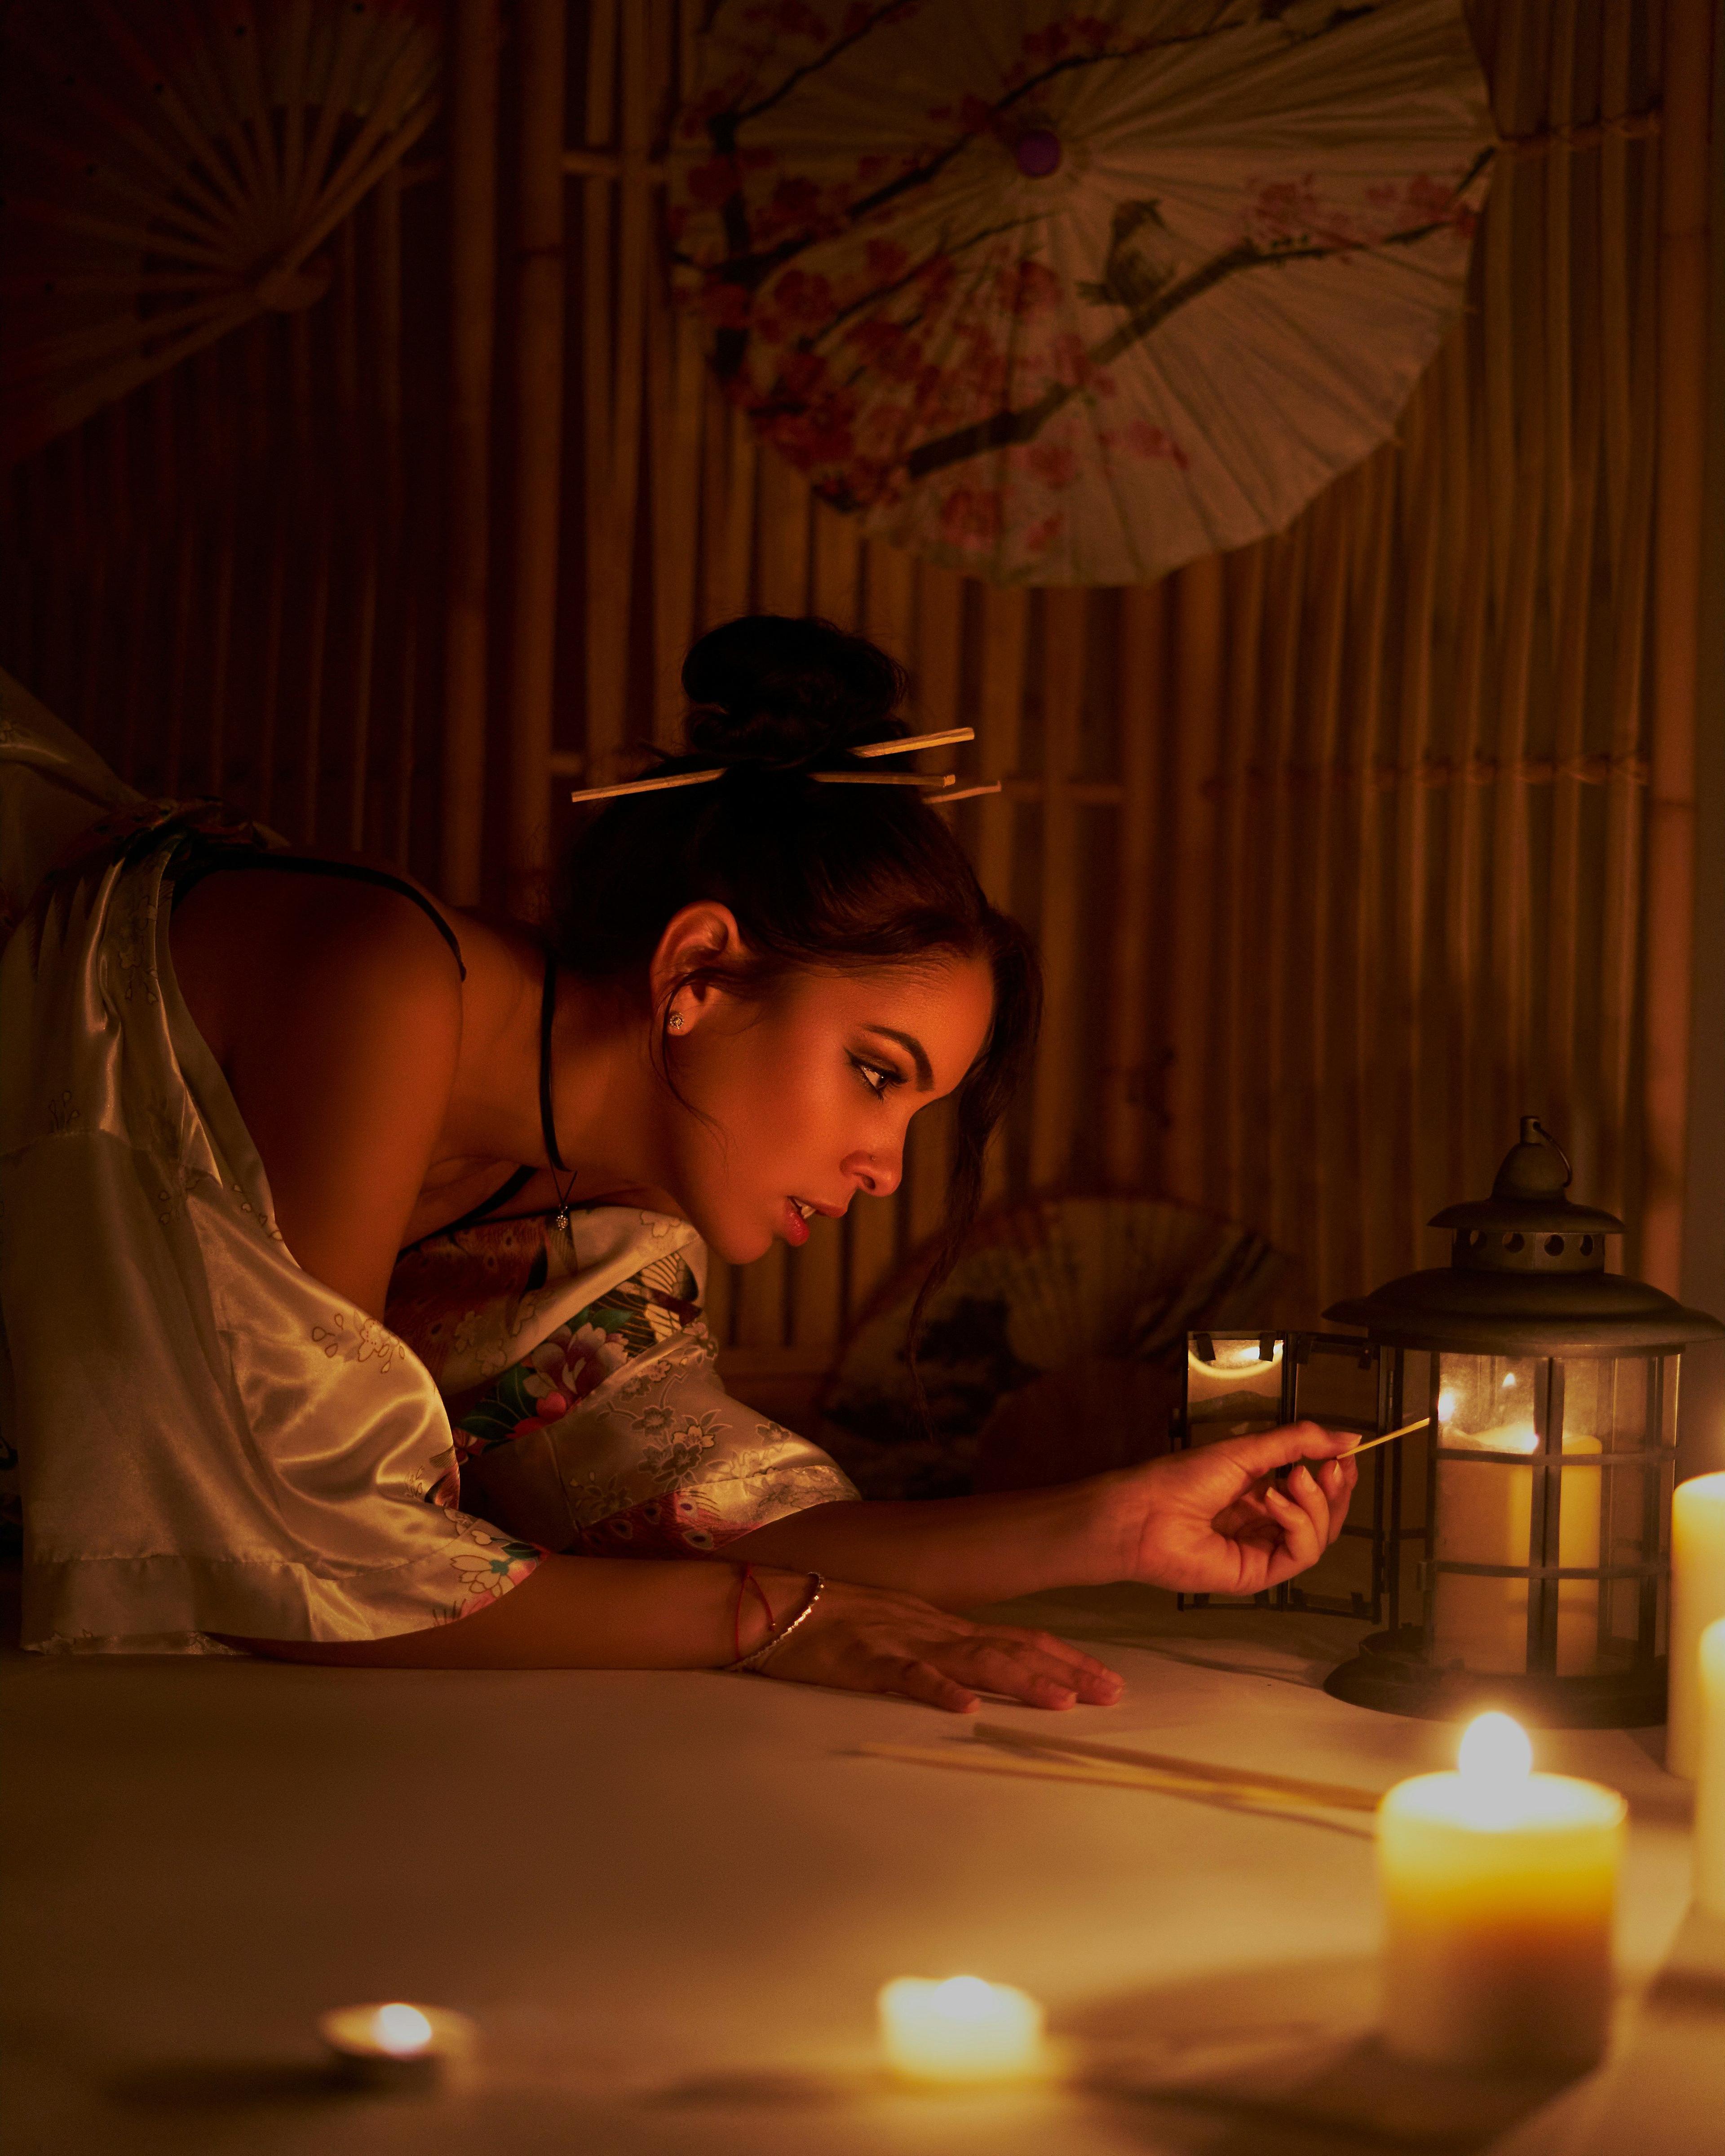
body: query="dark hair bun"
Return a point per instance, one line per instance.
(787, 689)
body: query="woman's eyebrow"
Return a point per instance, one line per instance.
(914, 1048)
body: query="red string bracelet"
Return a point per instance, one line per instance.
(746, 1580)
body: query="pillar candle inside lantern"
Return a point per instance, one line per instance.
(1485, 1516)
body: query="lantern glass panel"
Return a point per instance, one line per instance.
(1492, 1511)
(1484, 1511)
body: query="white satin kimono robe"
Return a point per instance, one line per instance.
(208, 1440)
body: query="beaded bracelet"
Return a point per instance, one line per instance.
(775, 1640)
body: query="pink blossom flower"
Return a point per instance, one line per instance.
(886, 259)
(801, 296)
(1053, 464)
(1289, 212)
(1027, 290)
(972, 517)
(1040, 535)
(1068, 362)
(1145, 440)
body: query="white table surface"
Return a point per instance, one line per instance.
(669, 1901)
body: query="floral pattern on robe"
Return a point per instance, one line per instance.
(590, 1421)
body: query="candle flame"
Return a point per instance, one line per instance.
(1446, 1406)
(400, 2029)
(1496, 1755)
(1509, 1379)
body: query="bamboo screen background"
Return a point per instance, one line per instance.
(1336, 845)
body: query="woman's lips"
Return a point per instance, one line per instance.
(796, 1227)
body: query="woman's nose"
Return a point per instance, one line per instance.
(879, 1178)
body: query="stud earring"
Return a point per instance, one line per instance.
(673, 1021)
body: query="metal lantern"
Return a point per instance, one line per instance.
(1548, 1464)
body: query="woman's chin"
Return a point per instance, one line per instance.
(734, 1242)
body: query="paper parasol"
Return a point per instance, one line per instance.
(170, 171)
(1059, 295)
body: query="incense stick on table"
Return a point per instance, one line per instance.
(1247, 1793)
(1162, 1763)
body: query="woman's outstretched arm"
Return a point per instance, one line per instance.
(1210, 1521)
(624, 1614)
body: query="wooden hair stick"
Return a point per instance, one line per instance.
(930, 783)
(909, 742)
(645, 785)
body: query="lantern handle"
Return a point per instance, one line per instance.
(1534, 1131)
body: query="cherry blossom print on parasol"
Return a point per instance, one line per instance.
(1072, 295)
(173, 171)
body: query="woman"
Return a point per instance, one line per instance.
(297, 1164)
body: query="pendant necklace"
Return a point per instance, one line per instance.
(548, 1121)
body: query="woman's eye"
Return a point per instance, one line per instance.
(876, 1079)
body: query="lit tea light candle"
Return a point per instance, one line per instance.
(395, 2045)
(1710, 1774)
(962, 2029)
(1497, 1887)
(1698, 1599)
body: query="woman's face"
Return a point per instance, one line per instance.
(810, 1093)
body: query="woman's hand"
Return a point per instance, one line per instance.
(1212, 1521)
(871, 1639)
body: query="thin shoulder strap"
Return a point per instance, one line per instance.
(206, 860)
(483, 1211)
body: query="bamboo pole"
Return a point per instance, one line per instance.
(222, 436)
(1467, 981)
(1689, 30)
(676, 368)
(1322, 1128)
(359, 537)
(1189, 951)
(1626, 820)
(1414, 1165)
(606, 449)
(1242, 975)
(1285, 865)
(1571, 1093)
(1375, 1100)
(473, 280)
(536, 478)
(1055, 1090)
(401, 553)
(1127, 1074)
(1517, 333)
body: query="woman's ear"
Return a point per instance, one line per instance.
(700, 935)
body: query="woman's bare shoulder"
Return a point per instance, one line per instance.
(334, 1007)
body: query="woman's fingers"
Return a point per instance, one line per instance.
(1094, 1680)
(1303, 1517)
(1343, 1475)
(919, 1680)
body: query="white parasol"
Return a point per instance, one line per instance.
(1061, 294)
